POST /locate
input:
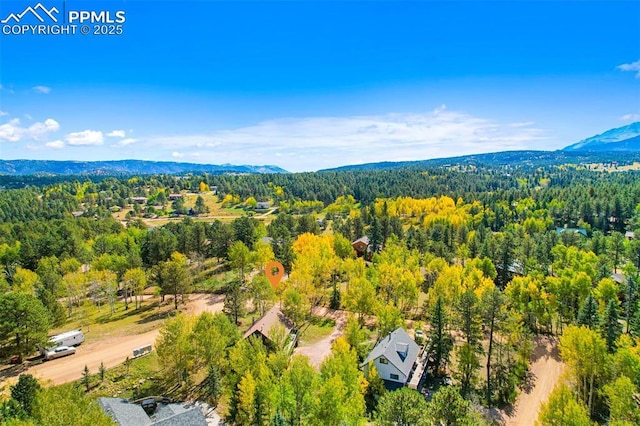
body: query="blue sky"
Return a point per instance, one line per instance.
(307, 85)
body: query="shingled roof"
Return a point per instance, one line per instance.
(398, 348)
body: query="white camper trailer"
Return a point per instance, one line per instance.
(69, 338)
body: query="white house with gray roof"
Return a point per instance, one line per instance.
(395, 358)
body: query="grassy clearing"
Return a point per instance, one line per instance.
(99, 323)
(135, 379)
(317, 329)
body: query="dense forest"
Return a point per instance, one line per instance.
(484, 257)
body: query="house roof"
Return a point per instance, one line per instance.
(126, 413)
(364, 239)
(272, 317)
(630, 234)
(580, 231)
(123, 412)
(398, 348)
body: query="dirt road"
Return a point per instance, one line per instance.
(112, 351)
(547, 369)
(318, 351)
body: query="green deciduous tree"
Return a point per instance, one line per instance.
(66, 405)
(448, 408)
(177, 280)
(585, 354)
(300, 380)
(563, 409)
(622, 403)
(404, 407)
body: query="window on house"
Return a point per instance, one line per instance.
(394, 377)
(383, 360)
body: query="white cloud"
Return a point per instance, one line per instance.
(14, 132)
(117, 134)
(317, 142)
(633, 66)
(55, 144)
(125, 142)
(43, 90)
(3, 113)
(85, 138)
(629, 118)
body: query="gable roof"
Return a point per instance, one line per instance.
(126, 413)
(272, 317)
(123, 412)
(364, 240)
(398, 348)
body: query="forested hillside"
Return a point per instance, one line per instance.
(482, 258)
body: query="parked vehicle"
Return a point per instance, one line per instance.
(59, 352)
(69, 338)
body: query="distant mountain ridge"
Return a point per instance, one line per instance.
(123, 167)
(505, 158)
(625, 138)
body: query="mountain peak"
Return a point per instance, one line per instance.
(625, 138)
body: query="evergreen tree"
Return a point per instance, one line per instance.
(588, 314)
(441, 339)
(610, 325)
(200, 207)
(86, 378)
(25, 391)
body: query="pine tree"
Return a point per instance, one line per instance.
(588, 314)
(611, 328)
(442, 343)
(24, 392)
(86, 378)
(102, 370)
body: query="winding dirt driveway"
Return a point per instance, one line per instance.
(321, 349)
(546, 369)
(112, 351)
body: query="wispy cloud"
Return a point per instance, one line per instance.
(633, 66)
(55, 144)
(317, 142)
(3, 113)
(13, 131)
(43, 90)
(125, 142)
(117, 134)
(629, 118)
(85, 138)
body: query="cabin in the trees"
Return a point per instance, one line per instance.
(173, 197)
(361, 245)
(262, 328)
(139, 200)
(395, 359)
(263, 205)
(629, 235)
(579, 231)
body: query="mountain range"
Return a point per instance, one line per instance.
(122, 167)
(625, 138)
